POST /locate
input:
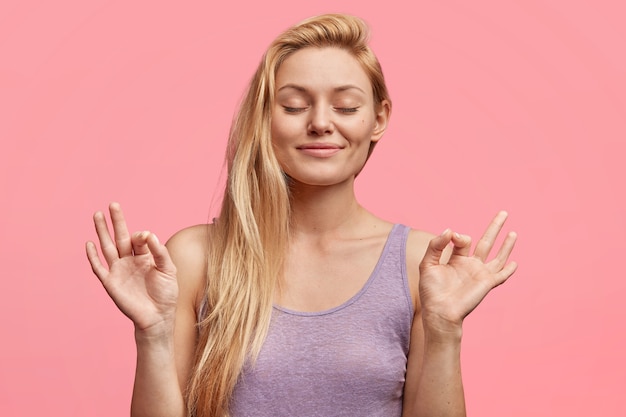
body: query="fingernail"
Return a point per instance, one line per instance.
(445, 231)
(458, 236)
(157, 239)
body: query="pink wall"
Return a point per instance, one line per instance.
(518, 105)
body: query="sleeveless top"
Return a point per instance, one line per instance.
(346, 361)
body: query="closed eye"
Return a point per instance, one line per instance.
(294, 109)
(347, 109)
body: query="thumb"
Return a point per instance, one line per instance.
(435, 248)
(160, 255)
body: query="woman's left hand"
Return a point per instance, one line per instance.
(450, 291)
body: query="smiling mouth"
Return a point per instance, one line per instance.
(319, 150)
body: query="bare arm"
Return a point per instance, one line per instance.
(447, 293)
(156, 287)
(434, 385)
(164, 362)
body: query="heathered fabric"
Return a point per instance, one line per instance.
(348, 361)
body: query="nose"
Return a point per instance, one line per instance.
(320, 122)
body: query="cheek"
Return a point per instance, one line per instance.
(281, 139)
(281, 128)
(362, 128)
(277, 136)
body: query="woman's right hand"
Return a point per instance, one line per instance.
(141, 277)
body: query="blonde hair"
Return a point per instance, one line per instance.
(250, 239)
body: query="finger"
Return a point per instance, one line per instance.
(462, 244)
(505, 273)
(106, 243)
(435, 248)
(139, 243)
(160, 254)
(122, 237)
(505, 251)
(94, 260)
(484, 245)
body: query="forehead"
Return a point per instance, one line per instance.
(322, 68)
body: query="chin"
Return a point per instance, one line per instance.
(318, 180)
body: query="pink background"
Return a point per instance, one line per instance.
(498, 104)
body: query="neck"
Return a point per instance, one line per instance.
(324, 210)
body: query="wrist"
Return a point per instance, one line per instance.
(438, 329)
(159, 333)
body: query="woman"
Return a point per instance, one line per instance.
(297, 301)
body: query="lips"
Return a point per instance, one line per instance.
(319, 150)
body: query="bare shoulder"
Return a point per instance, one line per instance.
(187, 244)
(188, 249)
(416, 244)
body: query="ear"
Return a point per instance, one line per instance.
(383, 111)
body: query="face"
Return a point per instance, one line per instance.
(324, 118)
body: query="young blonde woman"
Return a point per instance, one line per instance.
(297, 301)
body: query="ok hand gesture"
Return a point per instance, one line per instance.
(450, 291)
(141, 278)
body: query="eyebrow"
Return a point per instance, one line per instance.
(336, 89)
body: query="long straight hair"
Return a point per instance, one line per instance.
(250, 238)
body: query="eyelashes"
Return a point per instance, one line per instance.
(295, 110)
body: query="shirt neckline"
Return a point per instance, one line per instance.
(356, 296)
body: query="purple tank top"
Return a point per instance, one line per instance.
(347, 361)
